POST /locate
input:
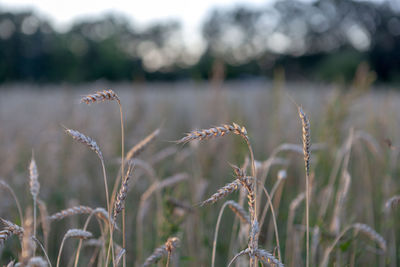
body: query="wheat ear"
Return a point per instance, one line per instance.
(166, 249)
(365, 229)
(223, 192)
(306, 137)
(72, 233)
(9, 230)
(100, 96)
(34, 186)
(37, 262)
(139, 147)
(214, 132)
(86, 140)
(70, 212)
(262, 255)
(119, 204)
(392, 202)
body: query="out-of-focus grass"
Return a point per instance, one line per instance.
(70, 174)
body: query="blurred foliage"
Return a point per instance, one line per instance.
(323, 40)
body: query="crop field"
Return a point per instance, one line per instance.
(208, 175)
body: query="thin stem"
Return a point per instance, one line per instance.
(307, 220)
(264, 214)
(274, 221)
(122, 173)
(331, 247)
(34, 221)
(80, 241)
(253, 261)
(43, 250)
(60, 250)
(216, 233)
(169, 256)
(5, 185)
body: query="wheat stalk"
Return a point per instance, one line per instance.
(306, 137)
(72, 233)
(93, 146)
(154, 188)
(239, 211)
(101, 96)
(43, 249)
(9, 189)
(294, 204)
(100, 213)
(28, 246)
(340, 199)
(44, 220)
(166, 249)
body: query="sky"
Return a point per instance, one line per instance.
(190, 12)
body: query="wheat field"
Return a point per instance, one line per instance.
(204, 175)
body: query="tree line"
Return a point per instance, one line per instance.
(325, 40)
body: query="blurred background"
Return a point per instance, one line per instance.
(80, 41)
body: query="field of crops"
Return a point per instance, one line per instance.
(200, 202)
